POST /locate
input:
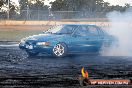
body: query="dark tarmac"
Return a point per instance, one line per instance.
(17, 69)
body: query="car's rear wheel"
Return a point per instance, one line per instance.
(60, 50)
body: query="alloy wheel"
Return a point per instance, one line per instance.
(59, 50)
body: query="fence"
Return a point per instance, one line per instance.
(50, 15)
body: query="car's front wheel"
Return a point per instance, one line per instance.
(60, 50)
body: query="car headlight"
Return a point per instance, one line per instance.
(43, 43)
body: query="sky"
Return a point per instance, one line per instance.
(119, 2)
(112, 2)
(48, 1)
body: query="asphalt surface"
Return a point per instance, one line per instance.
(19, 69)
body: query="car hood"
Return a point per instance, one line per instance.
(43, 37)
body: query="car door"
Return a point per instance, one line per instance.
(93, 39)
(84, 40)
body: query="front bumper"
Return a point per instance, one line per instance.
(36, 48)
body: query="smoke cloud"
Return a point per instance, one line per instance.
(120, 27)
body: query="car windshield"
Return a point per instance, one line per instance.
(63, 29)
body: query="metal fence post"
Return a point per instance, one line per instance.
(8, 12)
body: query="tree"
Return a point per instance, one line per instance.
(33, 5)
(32, 9)
(4, 8)
(85, 5)
(1, 3)
(127, 5)
(78, 5)
(38, 5)
(23, 4)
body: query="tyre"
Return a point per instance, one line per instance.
(60, 50)
(31, 54)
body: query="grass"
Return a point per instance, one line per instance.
(16, 35)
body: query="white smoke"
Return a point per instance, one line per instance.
(120, 27)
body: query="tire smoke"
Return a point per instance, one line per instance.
(120, 27)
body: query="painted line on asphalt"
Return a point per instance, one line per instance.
(11, 45)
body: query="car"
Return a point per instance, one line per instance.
(66, 39)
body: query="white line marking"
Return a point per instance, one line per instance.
(9, 45)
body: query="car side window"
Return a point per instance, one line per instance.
(93, 30)
(82, 31)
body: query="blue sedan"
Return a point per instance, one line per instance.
(62, 40)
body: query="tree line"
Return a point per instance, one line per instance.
(62, 5)
(86, 5)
